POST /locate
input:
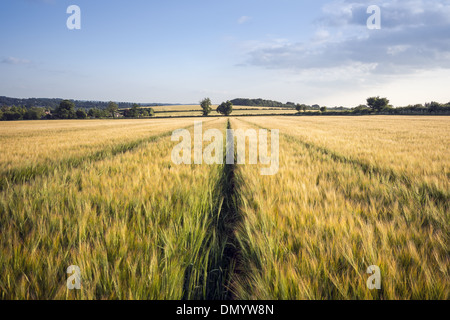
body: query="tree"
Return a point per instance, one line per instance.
(378, 104)
(81, 114)
(134, 112)
(301, 107)
(112, 109)
(433, 106)
(361, 109)
(225, 108)
(66, 110)
(13, 113)
(97, 113)
(34, 113)
(206, 106)
(323, 109)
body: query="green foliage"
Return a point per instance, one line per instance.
(34, 113)
(66, 110)
(134, 112)
(323, 109)
(112, 109)
(146, 112)
(97, 113)
(433, 106)
(225, 108)
(54, 103)
(13, 113)
(206, 106)
(301, 107)
(81, 114)
(361, 109)
(261, 103)
(378, 104)
(137, 112)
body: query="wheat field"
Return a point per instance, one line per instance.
(175, 111)
(105, 195)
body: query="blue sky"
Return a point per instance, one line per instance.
(179, 51)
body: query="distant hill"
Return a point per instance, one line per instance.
(261, 103)
(53, 103)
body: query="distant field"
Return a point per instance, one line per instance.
(195, 110)
(197, 107)
(105, 195)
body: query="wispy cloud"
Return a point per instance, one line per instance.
(15, 61)
(244, 19)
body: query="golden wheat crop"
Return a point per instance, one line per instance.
(136, 225)
(342, 201)
(350, 192)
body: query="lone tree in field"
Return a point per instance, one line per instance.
(225, 108)
(112, 109)
(377, 104)
(206, 106)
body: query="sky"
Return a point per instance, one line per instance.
(180, 51)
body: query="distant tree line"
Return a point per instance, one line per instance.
(261, 103)
(49, 103)
(22, 113)
(67, 110)
(377, 105)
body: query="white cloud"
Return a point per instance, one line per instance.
(415, 36)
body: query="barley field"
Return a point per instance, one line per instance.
(104, 195)
(196, 111)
